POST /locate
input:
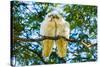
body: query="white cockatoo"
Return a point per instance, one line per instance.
(54, 25)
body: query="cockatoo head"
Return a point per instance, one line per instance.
(53, 15)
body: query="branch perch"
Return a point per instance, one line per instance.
(44, 38)
(50, 38)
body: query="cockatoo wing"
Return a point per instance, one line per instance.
(46, 29)
(61, 43)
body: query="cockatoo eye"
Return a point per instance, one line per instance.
(53, 16)
(49, 15)
(57, 17)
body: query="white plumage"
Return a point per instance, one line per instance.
(54, 25)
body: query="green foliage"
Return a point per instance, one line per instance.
(26, 20)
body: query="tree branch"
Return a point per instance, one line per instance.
(44, 38)
(15, 39)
